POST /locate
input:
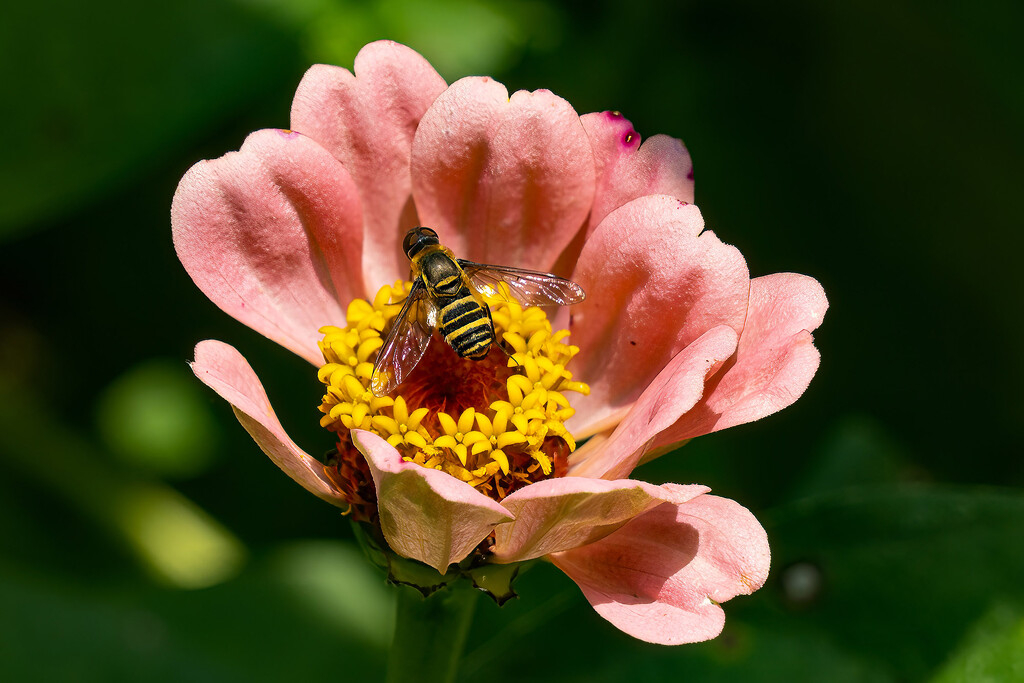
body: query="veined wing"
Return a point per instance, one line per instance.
(406, 342)
(528, 287)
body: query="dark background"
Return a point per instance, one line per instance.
(876, 146)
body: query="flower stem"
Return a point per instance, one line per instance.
(430, 634)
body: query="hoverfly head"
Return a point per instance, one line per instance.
(418, 238)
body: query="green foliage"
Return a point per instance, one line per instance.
(459, 37)
(155, 417)
(101, 92)
(992, 651)
(306, 612)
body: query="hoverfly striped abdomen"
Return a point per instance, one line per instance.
(463, 322)
(466, 326)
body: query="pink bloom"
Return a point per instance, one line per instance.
(675, 340)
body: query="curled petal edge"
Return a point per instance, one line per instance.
(774, 362)
(559, 514)
(661, 577)
(628, 169)
(426, 514)
(222, 368)
(676, 389)
(260, 232)
(636, 319)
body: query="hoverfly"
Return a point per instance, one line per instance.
(446, 296)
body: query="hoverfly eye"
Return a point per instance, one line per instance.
(411, 238)
(416, 239)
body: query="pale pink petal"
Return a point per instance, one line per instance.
(661, 577)
(560, 514)
(426, 514)
(628, 170)
(506, 181)
(670, 395)
(272, 235)
(654, 283)
(368, 120)
(774, 362)
(220, 367)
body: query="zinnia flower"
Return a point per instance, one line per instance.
(298, 235)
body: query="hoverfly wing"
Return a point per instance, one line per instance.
(406, 342)
(528, 287)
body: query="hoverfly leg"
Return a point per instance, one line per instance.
(499, 342)
(501, 345)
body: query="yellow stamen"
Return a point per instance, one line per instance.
(507, 428)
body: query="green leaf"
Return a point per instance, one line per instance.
(858, 451)
(903, 570)
(458, 37)
(175, 540)
(156, 418)
(307, 612)
(992, 652)
(405, 572)
(496, 580)
(108, 89)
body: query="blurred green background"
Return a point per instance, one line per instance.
(876, 146)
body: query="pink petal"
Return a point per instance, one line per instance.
(654, 284)
(224, 370)
(506, 181)
(271, 234)
(627, 170)
(560, 514)
(426, 514)
(661, 576)
(673, 392)
(774, 362)
(367, 121)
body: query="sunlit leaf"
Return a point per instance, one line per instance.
(993, 650)
(174, 540)
(335, 582)
(177, 542)
(458, 37)
(253, 629)
(156, 418)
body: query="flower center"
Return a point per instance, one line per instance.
(497, 423)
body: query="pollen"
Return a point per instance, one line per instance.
(497, 424)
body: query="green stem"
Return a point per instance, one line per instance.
(430, 634)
